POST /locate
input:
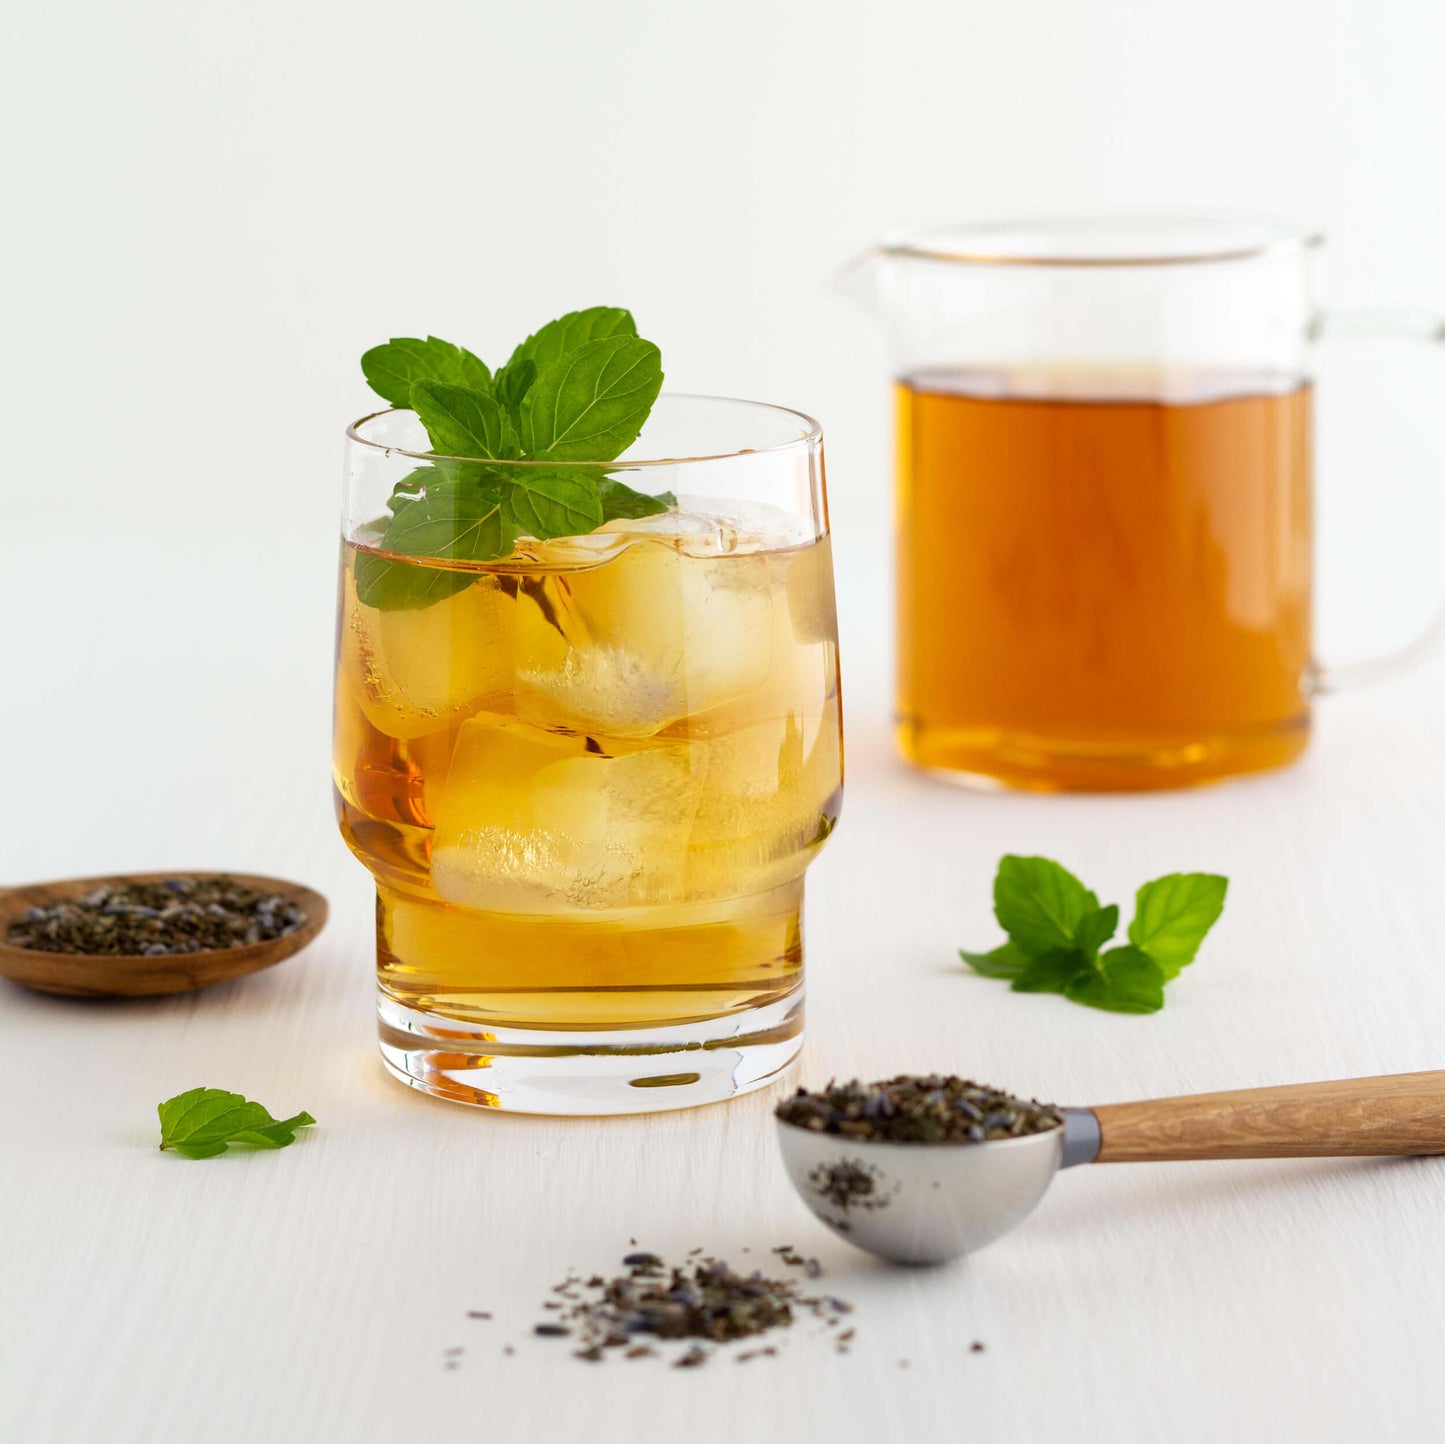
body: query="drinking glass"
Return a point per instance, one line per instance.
(1104, 479)
(588, 777)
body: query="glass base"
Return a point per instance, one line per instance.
(650, 1070)
(995, 758)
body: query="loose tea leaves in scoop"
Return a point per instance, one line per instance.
(918, 1109)
(148, 919)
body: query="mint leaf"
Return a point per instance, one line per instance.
(391, 369)
(1007, 961)
(1056, 928)
(1172, 914)
(276, 1134)
(464, 423)
(511, 384)
(578, 389)
(1038, 903)
(546, 346)
(591, 403)
(1124, 980)
(1095, 929)
(1052, 972)
(204, 1121)
(620, 501)
(541, 502)
(458, 518)
(392, 586)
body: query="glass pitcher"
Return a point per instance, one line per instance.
(1104, 497)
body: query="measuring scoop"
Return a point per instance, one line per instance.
(927, 1202)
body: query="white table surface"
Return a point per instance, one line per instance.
(166, 706)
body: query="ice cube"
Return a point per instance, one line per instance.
(678, 622)
(533, 822)
(807, 579)
(417, 671)
(770, 794)
(709, 526)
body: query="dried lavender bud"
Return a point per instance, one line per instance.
(908, 1109)
(150, 919)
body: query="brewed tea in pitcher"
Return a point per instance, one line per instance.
(1104, 496)
(1098, 585)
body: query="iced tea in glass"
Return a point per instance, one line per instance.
(589, 778)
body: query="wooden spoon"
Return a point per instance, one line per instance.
(131, 975)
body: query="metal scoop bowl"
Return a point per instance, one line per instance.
(928, 1202)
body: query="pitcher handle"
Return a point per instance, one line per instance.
(1377, 326)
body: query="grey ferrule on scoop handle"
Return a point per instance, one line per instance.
(1081, 1136)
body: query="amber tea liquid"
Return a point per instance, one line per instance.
(1103, 581)
(588, 784)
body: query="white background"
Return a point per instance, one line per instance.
(212, 210)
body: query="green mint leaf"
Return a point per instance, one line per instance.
(413, 486)
(458, 518)
(464, 423)
(541, 502)
(1172, 914)
(545, 347)
(197, 1150)
(578, 389)
(202, 1122)
(1052, 972)
(1124, 980)
(1006, 961)
(391, 369)
(276, 1134)
(619, 501)
(590, 404)
(511, 384)
(1039, 904)
(1095, 929)
(391, 586)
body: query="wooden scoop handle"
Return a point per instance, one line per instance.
(1403, 1113)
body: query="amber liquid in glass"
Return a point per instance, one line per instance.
(1100, 589)
(588, 783)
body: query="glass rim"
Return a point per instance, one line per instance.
(1241, 237)
(812, 434)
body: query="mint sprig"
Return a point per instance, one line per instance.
(206, 1121)
(391, 369)
(1056, 930)
(590, 403)
(577, 390)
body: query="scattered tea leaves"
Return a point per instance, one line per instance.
(702, 1303)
